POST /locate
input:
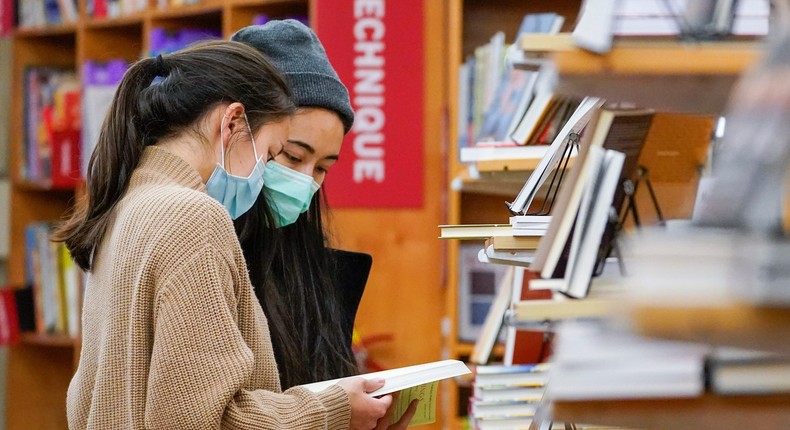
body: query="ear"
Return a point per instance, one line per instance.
(232, 118)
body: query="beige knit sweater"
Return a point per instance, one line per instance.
(173, 337)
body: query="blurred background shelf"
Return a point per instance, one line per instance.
(736, 325)
(705, 412)
(667, 75)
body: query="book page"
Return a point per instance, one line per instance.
(426, 408)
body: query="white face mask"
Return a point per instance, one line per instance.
(236, 193)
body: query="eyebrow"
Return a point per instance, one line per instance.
(309, 148)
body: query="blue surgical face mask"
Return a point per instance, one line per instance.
(236, 193)
(289, 192)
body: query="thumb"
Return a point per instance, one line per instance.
(373, 385)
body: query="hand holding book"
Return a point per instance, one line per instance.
(411, 382)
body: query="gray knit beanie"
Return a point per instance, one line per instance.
(297, 52)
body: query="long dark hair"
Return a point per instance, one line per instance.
(194, 81)
(291, 272)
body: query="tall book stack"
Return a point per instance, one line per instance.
(506, 397)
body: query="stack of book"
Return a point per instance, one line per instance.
(39, 13)
(506, 397)
(593, 360)
(114, 8)
(52, 127)
(504, 101)
(55, 280)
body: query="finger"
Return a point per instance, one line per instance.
(386, 401)
(373, 385)
(404, 421)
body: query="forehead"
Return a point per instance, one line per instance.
(319, 128)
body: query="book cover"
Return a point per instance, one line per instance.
(479, 285)
(523, 346)
(411, 382)
(524, 374)
(404, 377)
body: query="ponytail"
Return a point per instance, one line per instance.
(194, 80)
(116, 155)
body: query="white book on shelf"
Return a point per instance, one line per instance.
(593, 30)
(489, 153)
(493, 322)
(591, 221)
(553, 154)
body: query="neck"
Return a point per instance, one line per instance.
(192, 152)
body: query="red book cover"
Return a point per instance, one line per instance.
(531, 346)
(9, 321)
(6, 17)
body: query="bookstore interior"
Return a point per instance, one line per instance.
(575, 209)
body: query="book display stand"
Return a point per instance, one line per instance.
(571, 145)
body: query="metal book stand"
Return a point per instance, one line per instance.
(556, 179)
(617, 221)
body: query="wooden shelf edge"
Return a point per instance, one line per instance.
(186, 11)
(658, 56)
(47, 30)
(738, 325)
(48, 340)
(112, 22)
(41, 186)
(704, 412)
(543, 310)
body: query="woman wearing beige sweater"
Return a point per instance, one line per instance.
(173, 336)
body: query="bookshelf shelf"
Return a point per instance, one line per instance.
(705, 412)
(499, 183)
(48, 340)
(207, 8)
(131, 20)
(737, 325)
(544, 310)
(651, 56)
(43, 186)
(46, 31)
(664, 74)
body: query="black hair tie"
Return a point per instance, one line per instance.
(161, 69)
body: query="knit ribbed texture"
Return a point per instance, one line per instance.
(173, 337)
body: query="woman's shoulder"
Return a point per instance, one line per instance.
(170, 207)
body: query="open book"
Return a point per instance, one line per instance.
(413, 382)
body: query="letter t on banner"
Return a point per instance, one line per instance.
(377, 48)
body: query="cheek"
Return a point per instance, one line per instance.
(319, 177)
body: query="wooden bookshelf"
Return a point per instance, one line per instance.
(471, 23)
(663, 73)
(738, 325)
(705, 412)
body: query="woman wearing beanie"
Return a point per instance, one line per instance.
(172, 335)
(298, 279)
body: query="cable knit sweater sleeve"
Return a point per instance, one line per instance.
(203, 373)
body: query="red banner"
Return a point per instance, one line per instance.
(376, 46)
